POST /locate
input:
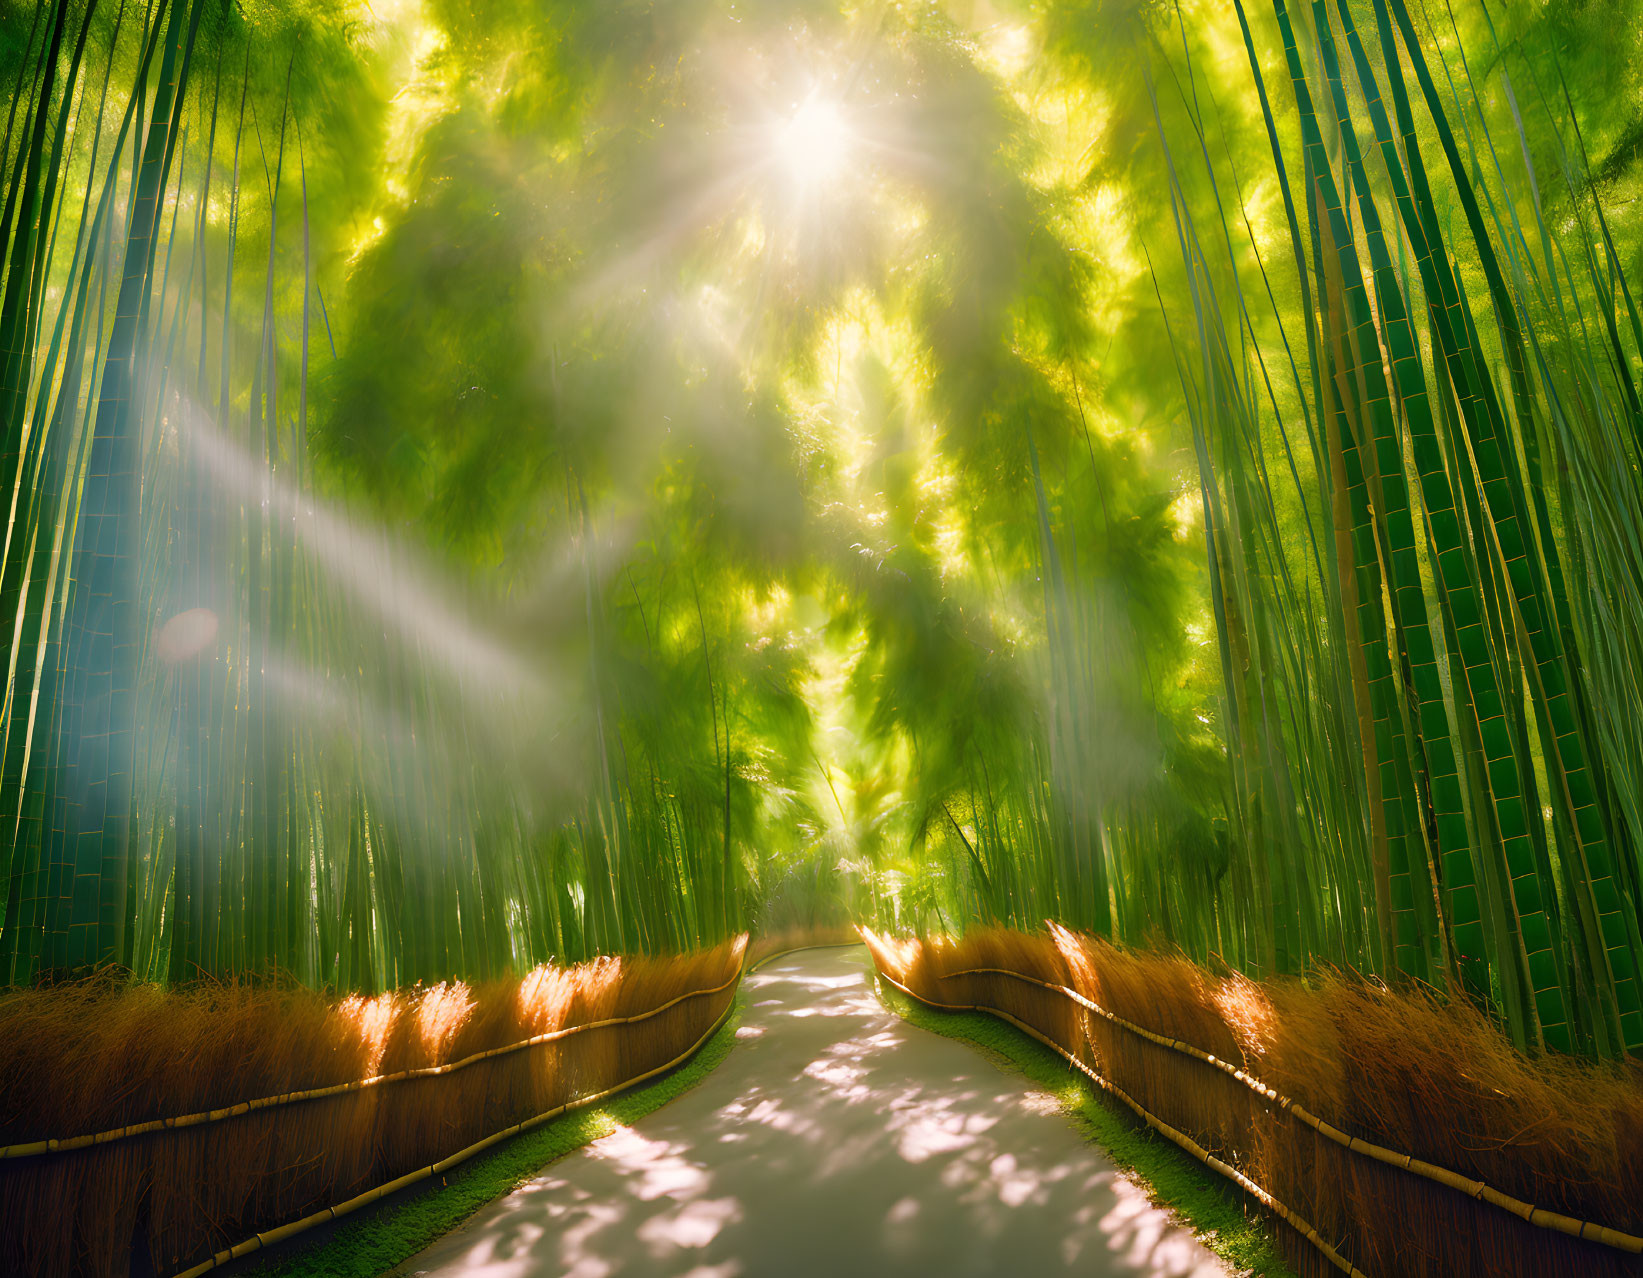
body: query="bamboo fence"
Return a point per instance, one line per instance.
(1362, 1209)
(184, 1194)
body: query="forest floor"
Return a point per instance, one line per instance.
(838, 1139)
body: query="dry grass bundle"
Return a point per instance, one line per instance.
(1400, 1069)
(101, 1055)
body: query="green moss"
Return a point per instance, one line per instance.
(1217, 1211)
(381, 1237)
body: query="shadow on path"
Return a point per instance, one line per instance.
(836, 1140)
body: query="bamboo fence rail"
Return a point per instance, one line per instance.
(1404, 1162)
(1300, 1225)
(30, 1149)
(1445, 1233)
(277, 1235)
(182, 1188)
(272, 1236)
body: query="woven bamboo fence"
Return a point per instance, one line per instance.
(1349, 1203)
(184, 1190)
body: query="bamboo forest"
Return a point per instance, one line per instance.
(764, 637)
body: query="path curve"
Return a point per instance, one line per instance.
(835, 1140)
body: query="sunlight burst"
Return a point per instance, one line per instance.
(814, 144)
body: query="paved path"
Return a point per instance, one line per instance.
(835, 1141)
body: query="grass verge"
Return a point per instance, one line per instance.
(1218, 1212)
(384, 1236)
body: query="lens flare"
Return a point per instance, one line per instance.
(185, 635)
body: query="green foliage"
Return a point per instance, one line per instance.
(488, 485)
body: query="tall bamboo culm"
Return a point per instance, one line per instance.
(1424, 699)
(244, 727)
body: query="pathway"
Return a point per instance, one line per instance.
(835, 1140)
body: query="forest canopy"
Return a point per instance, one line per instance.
(503, 481)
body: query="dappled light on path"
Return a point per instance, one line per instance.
(834, 1140)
